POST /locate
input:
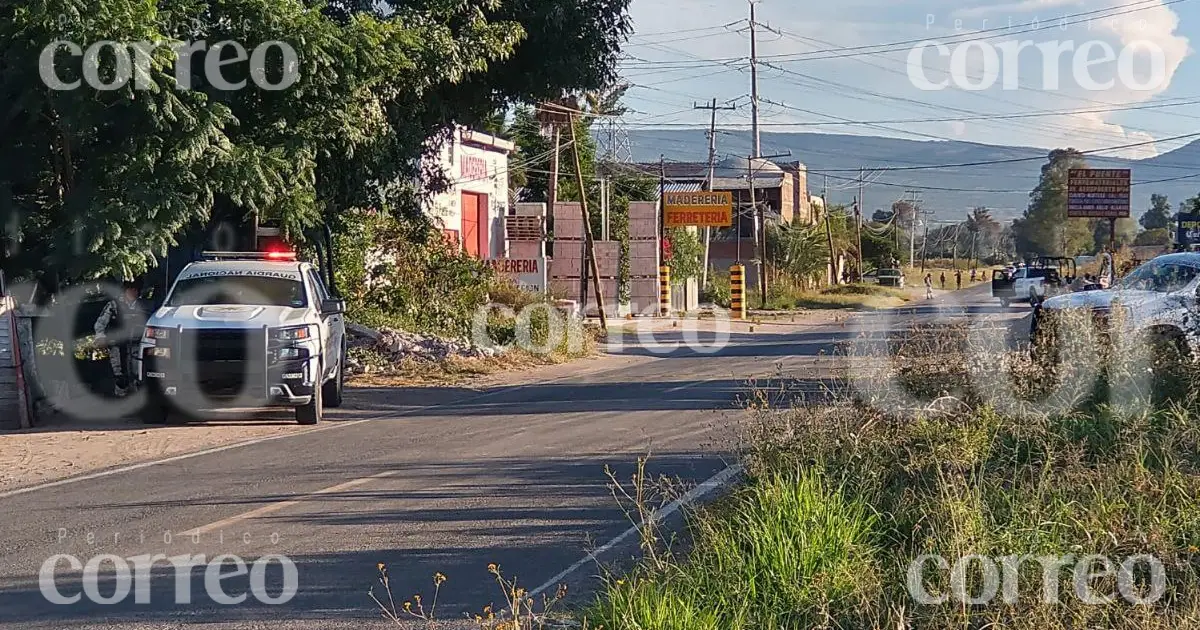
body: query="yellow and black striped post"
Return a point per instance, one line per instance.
(664, 290)
(737, 291)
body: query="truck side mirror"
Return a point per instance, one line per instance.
(333, 307)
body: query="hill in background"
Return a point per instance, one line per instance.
(949, 192)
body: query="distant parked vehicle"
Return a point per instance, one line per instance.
(1046, 277)
(890, 278)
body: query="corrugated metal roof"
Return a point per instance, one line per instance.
(683, 187)
(674, 187)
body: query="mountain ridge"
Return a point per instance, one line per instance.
(949, 192)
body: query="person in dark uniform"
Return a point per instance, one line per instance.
(119, 328)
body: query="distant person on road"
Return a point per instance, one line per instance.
(119, 328)
(958, 279)
(943, 279)
(929, 286)
(972, 275)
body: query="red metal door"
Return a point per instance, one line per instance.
(485, 224)
(470, 223)
(475, 220)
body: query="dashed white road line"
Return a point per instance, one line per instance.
(279, 505)
(713, 483)
(251, 442)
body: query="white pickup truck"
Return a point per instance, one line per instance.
(245, 330)
(1034, 283)
(1160, 300)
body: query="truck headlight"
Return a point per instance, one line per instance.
(294, 333)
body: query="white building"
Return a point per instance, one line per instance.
(471, 211)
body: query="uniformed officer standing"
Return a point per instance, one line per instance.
(119, 328)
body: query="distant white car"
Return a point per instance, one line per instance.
(248, 330)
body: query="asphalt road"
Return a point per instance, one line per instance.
(445, 480)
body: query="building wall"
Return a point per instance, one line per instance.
(801, 207)
(787, 198)
(474, 163)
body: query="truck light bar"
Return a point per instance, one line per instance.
(274, 255)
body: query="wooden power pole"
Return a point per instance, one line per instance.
(712, 166)
(858, 221)
(828, 230)
(590, 245)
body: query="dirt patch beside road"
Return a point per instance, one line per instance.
(56, 452)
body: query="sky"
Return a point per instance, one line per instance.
(852, 61)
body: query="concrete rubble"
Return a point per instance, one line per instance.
(397, 345)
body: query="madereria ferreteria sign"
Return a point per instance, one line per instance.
(699, 209)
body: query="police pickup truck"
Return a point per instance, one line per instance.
(245, 330)
(1160, 301)
(1041, 279)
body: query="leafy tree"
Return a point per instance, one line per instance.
(94, 183)
(1190, 205)
(687, 253)
(799, 252)
(1126, 233)
(1044, 229)
(1157, 236)
(1158, 215)
(878, 249)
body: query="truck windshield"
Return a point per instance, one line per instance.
(238, 291)
(1159, 277)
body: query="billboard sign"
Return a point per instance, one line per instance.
(1187, 229)
(1098, 193)
(699, 209)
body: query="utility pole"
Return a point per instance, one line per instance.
(912, 229)
(587, 230)
(754, 82)
(858, 221)
(552, 194)
(955, 257)
(712, 165)
(662, 201)
(925, 239)
(828, 232)
(760, 231)
(925, 246)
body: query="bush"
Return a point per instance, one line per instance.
(404, 275)
(717, 290)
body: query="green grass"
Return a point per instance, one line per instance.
(840, 498)
(779, 552)
(848, 297)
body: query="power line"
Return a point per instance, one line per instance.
(1034, 114)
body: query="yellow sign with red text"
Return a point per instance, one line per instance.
(699, 209)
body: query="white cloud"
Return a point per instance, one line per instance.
(1025, 6)
(872, 22)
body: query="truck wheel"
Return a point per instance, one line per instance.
(156, 411)
(312, 412)
(335, 387)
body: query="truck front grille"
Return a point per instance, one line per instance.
(225, 362)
